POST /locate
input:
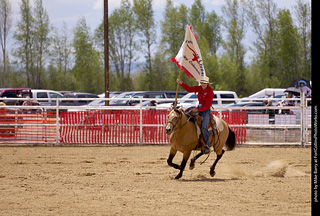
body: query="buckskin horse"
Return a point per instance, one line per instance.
(184, 138)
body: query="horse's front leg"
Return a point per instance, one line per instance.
(186, 156)
(173, 153)
(212, 168)
(193, 160)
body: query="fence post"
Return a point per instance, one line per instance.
(57, 122)
(141, 137)
(302, 117)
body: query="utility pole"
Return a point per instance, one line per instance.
(106, 52)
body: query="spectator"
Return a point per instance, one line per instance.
(29, 102)
(267, 103)
(152, 105)
(304, 88)
(19, 102)
(287, 103)
(2, 110)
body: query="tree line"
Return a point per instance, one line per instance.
(67, 58)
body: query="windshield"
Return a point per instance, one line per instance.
(123, 95)
(97, 103)
(188, 96)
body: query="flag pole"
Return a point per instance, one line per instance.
(175, 101)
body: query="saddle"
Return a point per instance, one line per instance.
(197, 119)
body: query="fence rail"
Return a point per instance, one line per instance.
(140, 125)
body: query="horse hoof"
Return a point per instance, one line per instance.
(191, 167)
(177, 177)
(212, 173)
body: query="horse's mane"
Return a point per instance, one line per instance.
(190, 114)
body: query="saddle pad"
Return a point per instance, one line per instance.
(219, 123)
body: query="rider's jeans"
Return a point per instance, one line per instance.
(204, 129)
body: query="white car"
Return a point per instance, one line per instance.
(218, 100)
(184, 102)
(35, 94)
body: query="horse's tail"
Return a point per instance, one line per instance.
(231, 141)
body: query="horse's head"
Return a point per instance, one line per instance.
(174, 118)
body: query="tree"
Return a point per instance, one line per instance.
(173, 28)
(303, 16)
(24, 40)
(206, 26)
(234, 23)
(197, 17)
(41, 42)
(5, 26)
(122, 45)
(147, 31)
(262, 16)
(60, 77)
(288, 60)
(87, 69)
(212, 31)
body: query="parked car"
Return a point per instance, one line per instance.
(112, 94)
(36, 94)
(215, 103)
(11, 93)
(77, 102)
(185, 102)
(143, 94)
(267, 92)
(65, 92)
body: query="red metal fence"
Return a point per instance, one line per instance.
(22, 126)
(113, 126)
(125, 126)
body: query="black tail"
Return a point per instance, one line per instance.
(231, 141)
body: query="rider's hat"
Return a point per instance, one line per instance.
(205, 79)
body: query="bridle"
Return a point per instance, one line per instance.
(179, 118)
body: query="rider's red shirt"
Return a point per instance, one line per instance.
(205, 97)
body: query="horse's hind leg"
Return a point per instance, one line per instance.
(193, 160)
(173, 153)
(212, 168)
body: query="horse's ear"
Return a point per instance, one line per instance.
(180, 109)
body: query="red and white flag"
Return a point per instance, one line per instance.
(189, 56)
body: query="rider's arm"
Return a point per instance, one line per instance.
(190, 89)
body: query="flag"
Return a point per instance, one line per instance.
(189, 57)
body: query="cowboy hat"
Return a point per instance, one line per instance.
(205, 79)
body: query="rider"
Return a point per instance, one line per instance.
(205, 96)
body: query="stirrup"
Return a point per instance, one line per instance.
(206, 150)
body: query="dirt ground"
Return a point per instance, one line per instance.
(137, 181)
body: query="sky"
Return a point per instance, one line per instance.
(69, 11)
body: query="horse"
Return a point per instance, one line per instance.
(184, 138)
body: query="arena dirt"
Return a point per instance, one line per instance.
(137, 181)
